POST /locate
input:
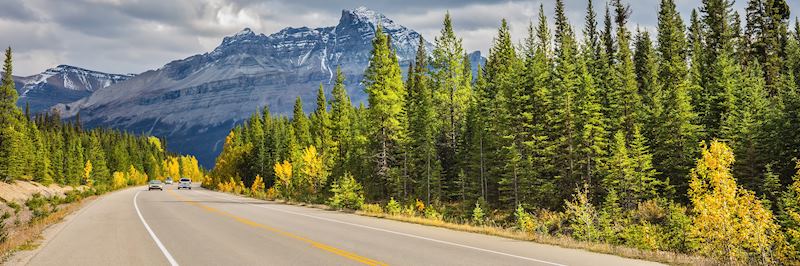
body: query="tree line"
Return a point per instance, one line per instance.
(628, 138)
(45, 149)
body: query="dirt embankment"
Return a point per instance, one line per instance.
(21, 191)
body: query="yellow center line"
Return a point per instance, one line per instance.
(325, 247)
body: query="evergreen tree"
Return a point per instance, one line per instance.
(564, 129)
(452, 94)
(675, 138)
(646, 70)
(625, 104)
(12, 139)
(386, 96)
(341, 125)
(300, 123)
(421, 128)
(743, 128)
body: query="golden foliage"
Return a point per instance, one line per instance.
(156, 143)
(729, 223)
(283, 178)
(313, 169)
(258, 185)
(87, 173)
(119, 180)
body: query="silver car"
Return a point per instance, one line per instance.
(155, 184)
(185, 183)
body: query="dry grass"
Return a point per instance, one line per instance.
(666, 257)
(25, 236)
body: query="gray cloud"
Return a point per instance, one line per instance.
(126, 36)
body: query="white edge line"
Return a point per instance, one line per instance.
(153, 235)
(398, 233)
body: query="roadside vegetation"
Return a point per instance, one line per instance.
(42, 148)
(619, 140)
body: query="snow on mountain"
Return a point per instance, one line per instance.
(62, 84)
(194, 102)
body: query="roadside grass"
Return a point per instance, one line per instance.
(27, 236)
(667, 257)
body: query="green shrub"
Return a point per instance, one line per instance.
(431, 213)
(524, 221)
(372, 208)
(478, 217)
(15, 206)
(38, 205)
(347, 193)
(409, 211)
(582, 217)
(393, 208)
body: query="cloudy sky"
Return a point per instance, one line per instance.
(132, 36)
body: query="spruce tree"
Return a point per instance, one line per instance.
(676, 134)
(386, 96)
(625, 102)
(341, 125)
(12, 162)
(302, 129)
(452, 94)
(421, 128)
(566, 80)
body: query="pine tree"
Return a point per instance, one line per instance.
(341, 124)
(743, 128)
(421, 128)
(386, 96)
(625, 102)
(95, 153)
(301, 125)
(12, 138)
(593, 143)
(646, 70)
(452, 93)
(675, 138)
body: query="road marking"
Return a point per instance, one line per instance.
(325, 247)
(153, 235)
(396, 233)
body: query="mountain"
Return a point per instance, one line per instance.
(194, 102)
(62, 84)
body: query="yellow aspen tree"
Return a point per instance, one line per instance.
(313, 169)
(283, 178)
(258, 185)
(118, 180)
(729, 223)
(87, 173)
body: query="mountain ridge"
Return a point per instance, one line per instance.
(195, 101)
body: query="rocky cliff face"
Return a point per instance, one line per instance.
(195, 102)
(62, 84)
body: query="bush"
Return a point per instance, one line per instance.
(431, 213)
(409, 211)
(478, 217)
(372, 208)
(347, 193)
(419, 205)
(582, 216)
(38, 205)
(393, 208)
(524, 220)
(15, 206)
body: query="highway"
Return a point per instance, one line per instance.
(201, 227)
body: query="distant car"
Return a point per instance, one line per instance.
(155, 184)
(185, 183)
(168, 181)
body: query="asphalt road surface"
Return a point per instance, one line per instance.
(202, 227)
